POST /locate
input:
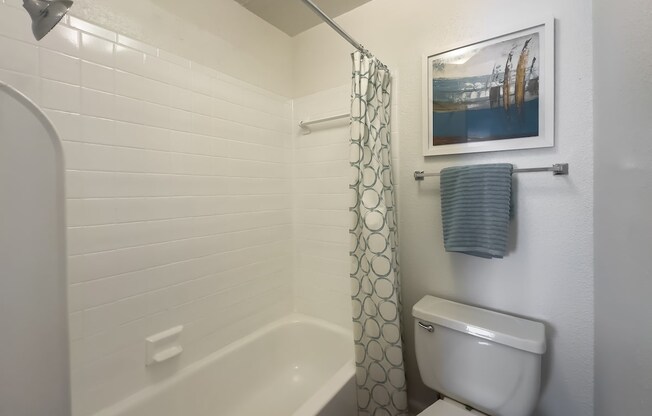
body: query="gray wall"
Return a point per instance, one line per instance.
(623, 205)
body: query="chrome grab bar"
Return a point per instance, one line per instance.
(427, 327)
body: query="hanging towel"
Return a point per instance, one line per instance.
(475, 207)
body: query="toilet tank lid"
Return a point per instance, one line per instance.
(514, 332)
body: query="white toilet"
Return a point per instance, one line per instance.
(481, 362)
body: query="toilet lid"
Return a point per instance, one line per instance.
(448, 407)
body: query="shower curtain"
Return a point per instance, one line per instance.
(375, 280)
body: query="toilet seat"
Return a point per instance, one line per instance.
(449, 407)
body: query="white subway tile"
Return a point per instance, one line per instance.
(16, 24)
(339, 235)
(62, 39)
(107, 317)
(201, 124)
(97, 77)
(92, 29)
(29, 85)
(97, 50)
(202, 104)
(59, 67)
(141, 136)
(128, 109)
(156, 69)
(181, 98)
(156, 92)
(99, 347)
(75, 188)
(97, 104)
(129, 85)
(68, 125)
(180, 120)
(18, 56)
(201, 83)
(129, 60)
(249, 151)
(103, 291)
(180, 76)
(184, 142)
(98, 130)
(82, 156)
(60, 96)
(155, 115)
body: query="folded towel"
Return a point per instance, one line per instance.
(475, 207)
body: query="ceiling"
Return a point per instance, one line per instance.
(292, 16)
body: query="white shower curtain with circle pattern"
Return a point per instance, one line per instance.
(375, 279)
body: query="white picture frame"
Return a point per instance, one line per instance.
(468, 98)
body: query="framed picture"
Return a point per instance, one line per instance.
(495, 94)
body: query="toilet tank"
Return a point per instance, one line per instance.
(483, 359)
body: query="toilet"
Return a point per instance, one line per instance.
(480, 362)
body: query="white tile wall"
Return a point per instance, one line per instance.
(321, 215)
(192, 198)
(321, 201)
(178, 195)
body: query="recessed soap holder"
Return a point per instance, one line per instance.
(164, 346)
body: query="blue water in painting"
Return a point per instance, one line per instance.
(486, 124)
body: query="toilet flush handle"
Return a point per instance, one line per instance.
(427, 327)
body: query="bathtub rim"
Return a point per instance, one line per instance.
(312, 404)
(328, 391)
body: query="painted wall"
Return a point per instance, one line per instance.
(217, 33)
(623, 202)
(548, 274)
(177, 188)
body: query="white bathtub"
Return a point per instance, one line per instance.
(296, 366)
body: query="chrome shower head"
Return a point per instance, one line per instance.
(45, 14)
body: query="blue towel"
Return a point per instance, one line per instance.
(475, 208)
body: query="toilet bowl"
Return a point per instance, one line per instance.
(482, 362)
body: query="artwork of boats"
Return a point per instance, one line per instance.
(487, 92)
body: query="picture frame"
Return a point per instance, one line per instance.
(491, 95)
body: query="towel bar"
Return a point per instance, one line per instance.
(556, 169)
(305, 125)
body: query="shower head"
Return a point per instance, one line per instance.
(45, 14)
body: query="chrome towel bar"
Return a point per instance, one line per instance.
(305, 125)
(556, 169)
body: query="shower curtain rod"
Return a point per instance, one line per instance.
(330, 22)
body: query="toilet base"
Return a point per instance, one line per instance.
(449, 407)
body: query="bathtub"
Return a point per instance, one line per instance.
(296, 366)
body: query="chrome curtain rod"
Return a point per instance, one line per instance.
(330, 22)
(556, 169)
